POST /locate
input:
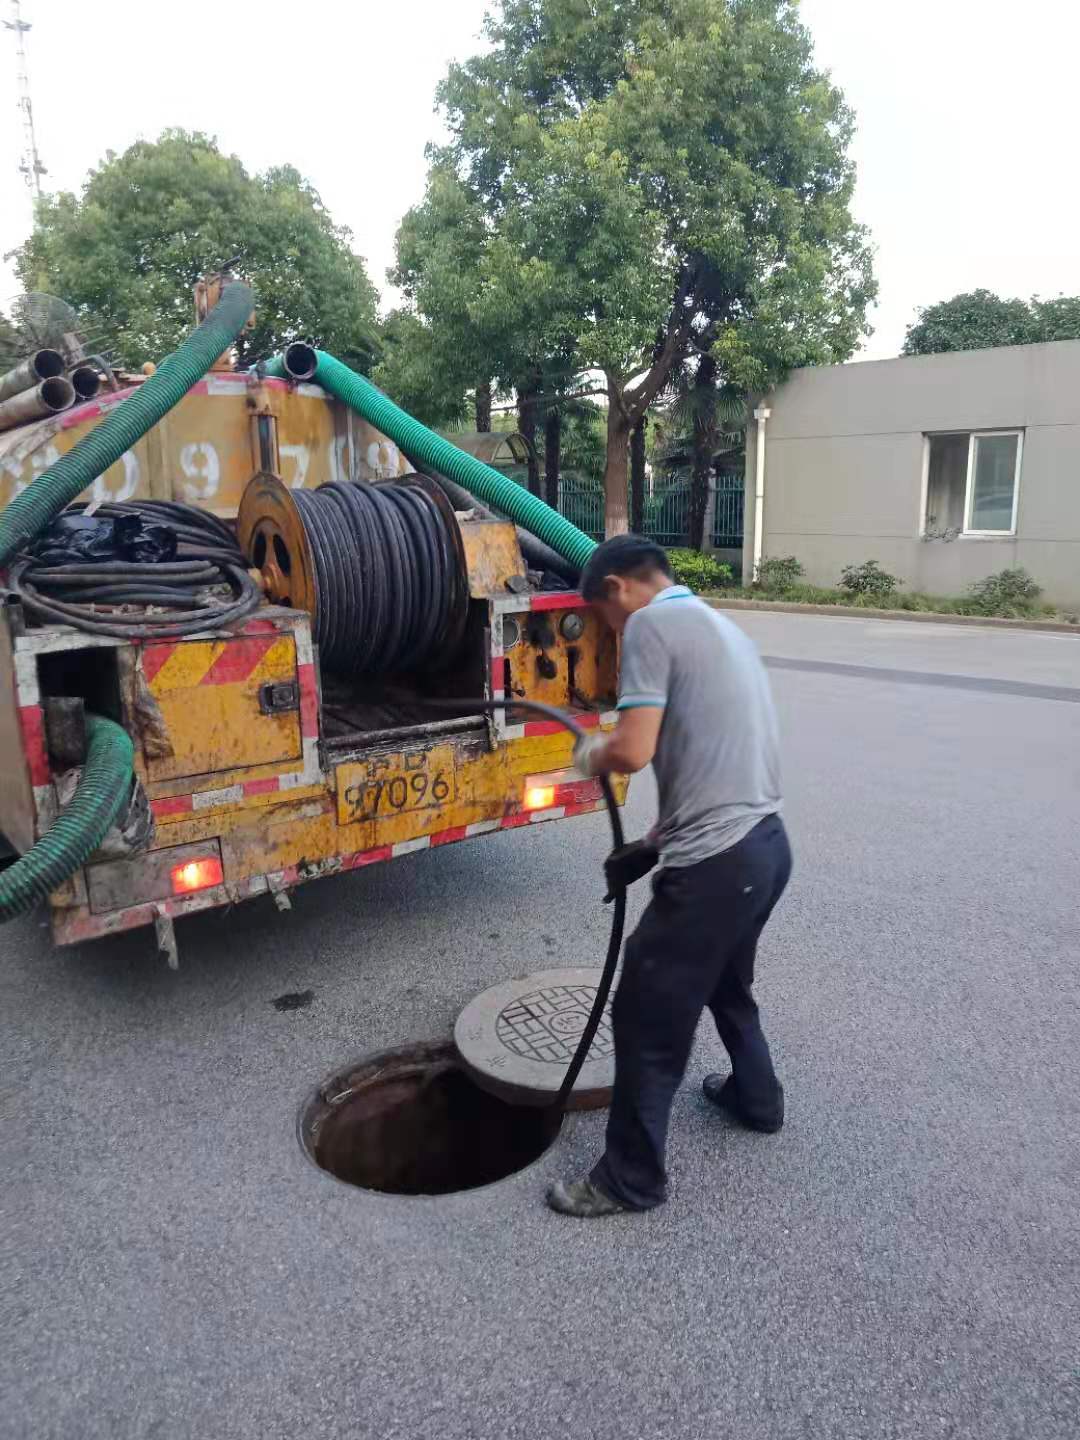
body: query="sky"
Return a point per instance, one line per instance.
(965, 146)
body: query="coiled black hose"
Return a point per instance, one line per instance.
(185, 594)
(386, 572)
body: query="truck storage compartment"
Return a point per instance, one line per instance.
(224, 704)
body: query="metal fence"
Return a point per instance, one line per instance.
(582, 502)
(667, 510)
(667, 513)
(727, 528)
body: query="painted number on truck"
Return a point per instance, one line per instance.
(388, 785)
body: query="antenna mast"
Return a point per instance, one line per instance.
(30, 165)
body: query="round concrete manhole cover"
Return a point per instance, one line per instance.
(517, 1038)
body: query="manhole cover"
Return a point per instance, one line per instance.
(517, 1038)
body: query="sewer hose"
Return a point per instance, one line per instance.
(618, 914)
(302, 362)
(102, 793)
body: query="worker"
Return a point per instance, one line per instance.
(694, 700)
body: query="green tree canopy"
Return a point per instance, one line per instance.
(654, 173)
(127, 251)
(980, 320)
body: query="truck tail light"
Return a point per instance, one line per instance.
(559, 787)
(196, 875)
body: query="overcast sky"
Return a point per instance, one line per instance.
(966, 118)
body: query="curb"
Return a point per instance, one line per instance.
(921, 617)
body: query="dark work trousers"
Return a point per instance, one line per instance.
(694, 947)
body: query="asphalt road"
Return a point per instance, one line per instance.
(902, 1261)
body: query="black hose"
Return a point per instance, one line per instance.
(618, 914)
(387, 577)
(183, 594)
(538, 555)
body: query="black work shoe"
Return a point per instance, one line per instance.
(583, 1199)
(720, 1090)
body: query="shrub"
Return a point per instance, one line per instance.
(778, 572)
(868, 579)
(1009, 592)
(699, 571)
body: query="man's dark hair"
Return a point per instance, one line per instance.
(631, 555)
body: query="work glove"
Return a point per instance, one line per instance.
(627, 864)
(588, 753)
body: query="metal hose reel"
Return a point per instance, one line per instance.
(380, 568)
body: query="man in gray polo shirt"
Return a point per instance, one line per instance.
(694, 700)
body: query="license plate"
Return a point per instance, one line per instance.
(390, 785)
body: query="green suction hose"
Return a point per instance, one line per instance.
(31, 511)
(102, 794)
(302, 362)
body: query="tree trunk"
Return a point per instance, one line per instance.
(637, 477)
(704, 445)
(527, 426)
(615, 469)
(483, 406)
(552, 456)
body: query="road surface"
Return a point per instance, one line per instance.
(902, 1261)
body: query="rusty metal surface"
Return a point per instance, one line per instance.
(271, 533)
(492, 555)
(546, 666)
(208, 693)
(65, 729)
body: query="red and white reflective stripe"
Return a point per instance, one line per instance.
(548, 600)
(73, 927)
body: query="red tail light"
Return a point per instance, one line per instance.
(196, 875)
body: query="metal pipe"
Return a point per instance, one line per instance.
(50, 397)
(29, 373)
(761, 414)
(301, 361)
(86, 380)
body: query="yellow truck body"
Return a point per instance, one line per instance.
(256, 781)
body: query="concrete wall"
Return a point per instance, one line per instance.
(845, 447)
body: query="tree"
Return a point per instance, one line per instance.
(150, 222)
(655, 173)
(980, 320)
(410, 369)
(702, 413)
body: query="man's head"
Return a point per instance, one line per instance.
(622, 575)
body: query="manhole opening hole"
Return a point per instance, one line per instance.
(411, 1122)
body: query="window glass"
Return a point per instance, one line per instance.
(993, 481)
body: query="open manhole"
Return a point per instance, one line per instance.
(411, 1122)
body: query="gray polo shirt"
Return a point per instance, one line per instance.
(717, 759)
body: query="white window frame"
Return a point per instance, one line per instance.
(969, 481)
(969, 491)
